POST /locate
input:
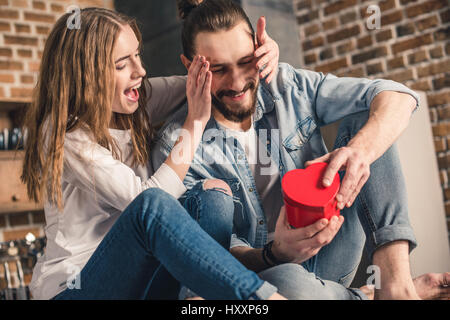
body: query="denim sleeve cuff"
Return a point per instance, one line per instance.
(389, 234)
(238, 242)
(389, 85)
(358, 294)
(264, 292)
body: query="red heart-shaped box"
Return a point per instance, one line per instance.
(305, 197)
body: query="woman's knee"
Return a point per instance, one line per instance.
(154, 201)
(154, 196)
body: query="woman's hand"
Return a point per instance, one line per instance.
(198, 90)
(267, 52)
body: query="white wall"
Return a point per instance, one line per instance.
(425, 198)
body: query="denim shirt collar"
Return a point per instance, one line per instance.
(264, 104)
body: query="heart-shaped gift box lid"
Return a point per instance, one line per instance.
(305, 187)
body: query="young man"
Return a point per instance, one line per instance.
(259, 131)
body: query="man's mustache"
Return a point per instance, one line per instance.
(250, 85)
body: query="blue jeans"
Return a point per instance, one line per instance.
(378, 216)
(213, 210)
(154, 234)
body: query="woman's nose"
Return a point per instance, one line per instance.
(139, 71)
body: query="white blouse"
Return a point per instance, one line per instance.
(96, 188)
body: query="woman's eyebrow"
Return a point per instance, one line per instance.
(125, 57)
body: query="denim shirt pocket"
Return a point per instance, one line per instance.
(301, 135)
(295, 142)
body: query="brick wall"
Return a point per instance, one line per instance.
(412, 46)
(24, 26)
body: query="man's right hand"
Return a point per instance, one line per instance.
(298, 245)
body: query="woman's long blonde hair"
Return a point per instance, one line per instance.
(75, 90)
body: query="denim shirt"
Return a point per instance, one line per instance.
(291, 109)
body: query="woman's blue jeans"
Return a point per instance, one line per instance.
(154, 239)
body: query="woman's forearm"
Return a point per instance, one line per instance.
(180, 158)
(198, 91)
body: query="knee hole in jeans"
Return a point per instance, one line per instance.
(218, 185)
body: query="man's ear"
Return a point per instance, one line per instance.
(185, 61)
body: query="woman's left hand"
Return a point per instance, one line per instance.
(266, 52)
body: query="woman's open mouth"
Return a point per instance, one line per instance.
(132, 93)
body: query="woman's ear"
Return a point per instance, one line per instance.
(185, 61)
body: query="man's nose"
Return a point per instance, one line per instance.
(236, 80)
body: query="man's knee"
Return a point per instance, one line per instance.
(218, 185)
(295, 282)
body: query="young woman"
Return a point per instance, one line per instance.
(113, 225)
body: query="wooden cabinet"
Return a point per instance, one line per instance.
(13, 193)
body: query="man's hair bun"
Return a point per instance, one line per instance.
(186, 6)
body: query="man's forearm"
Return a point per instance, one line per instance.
(390, 112)
(251, 258)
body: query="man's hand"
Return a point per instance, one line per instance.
(267, 51)
(389, 116)
(357, 166)
(298, 245)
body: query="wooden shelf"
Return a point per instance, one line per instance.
(11, 154)
(7, 104)
(13, 193)
(12, 207)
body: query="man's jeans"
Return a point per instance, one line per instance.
(155, 234)
(378, 216)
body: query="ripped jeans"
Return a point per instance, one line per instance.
(213, 209)
(378, 216)
(154, 233)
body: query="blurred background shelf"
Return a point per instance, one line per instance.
(11, 154)
(12, 207)
(9, 104)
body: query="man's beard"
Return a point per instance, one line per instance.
(231, 113)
